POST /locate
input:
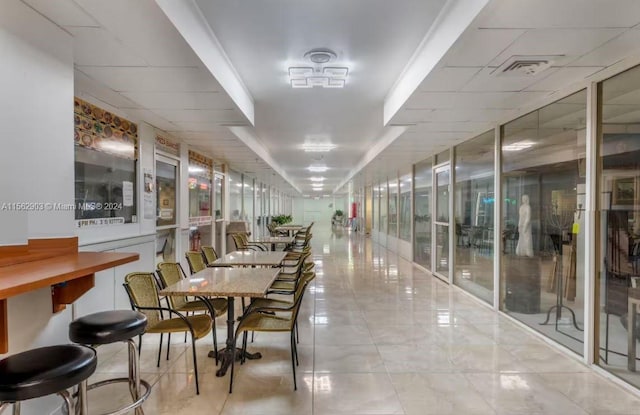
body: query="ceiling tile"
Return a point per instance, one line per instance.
(572, 43)
(480, 46)
(143, 28)
(423, 100)
(181, 100)
(84, 84)
(96, 46)
(612, 51)
(200, 116)
(563, 77)
(62, 12)
(564, 13)
(137, 79)
(448, 79)
(488, 80)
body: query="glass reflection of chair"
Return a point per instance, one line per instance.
(274, 318)
(143, 295)
(170, 273)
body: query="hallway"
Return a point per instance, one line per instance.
(378, 336)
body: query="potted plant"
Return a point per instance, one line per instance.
(337, 217)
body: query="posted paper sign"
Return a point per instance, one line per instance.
(127, 193)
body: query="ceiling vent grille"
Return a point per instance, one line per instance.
(527, 66)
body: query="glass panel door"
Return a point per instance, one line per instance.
(441, 224)
(166, 207)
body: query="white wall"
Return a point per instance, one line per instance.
(320, 211)
(36, 123)
(36, 161)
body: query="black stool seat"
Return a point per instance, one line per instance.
(107, 327)
(45, 371)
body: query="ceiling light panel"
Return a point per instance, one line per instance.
(317, 169)
(318, 75)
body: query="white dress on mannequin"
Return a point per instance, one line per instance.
(525, 241)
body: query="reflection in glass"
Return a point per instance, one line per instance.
(235, 196)
(217, 188)
(375, 209)
(248, 199)
(442, 250)
(543, 186)
(393, 207)
(199, 187)
(442, 196)
(405, 208)
(166, 196)
(619, 213)
(422, 213)
(384, 205)
(474, 202)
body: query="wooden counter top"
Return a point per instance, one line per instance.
(29, 276)
(54, 263)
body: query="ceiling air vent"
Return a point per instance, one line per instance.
(524, 65)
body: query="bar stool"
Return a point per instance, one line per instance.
(110, 327)
(45, 371)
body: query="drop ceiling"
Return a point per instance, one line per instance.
(134, 57)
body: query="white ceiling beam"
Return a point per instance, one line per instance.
(452, 21)
(247, 136)
(389, 136)
(192, 25)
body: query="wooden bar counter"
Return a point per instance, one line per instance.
(54, 263)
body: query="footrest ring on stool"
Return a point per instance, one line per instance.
(131, 406)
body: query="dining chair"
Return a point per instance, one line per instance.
(170, 273)
(143, 294)
(209, 254)
(195, 261)
(279, 319)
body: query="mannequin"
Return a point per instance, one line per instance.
(525, 242)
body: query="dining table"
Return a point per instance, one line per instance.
(231, 283)
(273, 241)
(290, 229)
(250, 258)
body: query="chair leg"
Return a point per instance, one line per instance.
(252, 333)
(16, 408)
(160, 349)
(185, 333)
(293, 364)
(297, 332)
(68, 402)
(245, 335)
(168, 345)
(195, 362)
(134, 375)
(295, 351)
(139, 344)
(215, 339)
(82, 396)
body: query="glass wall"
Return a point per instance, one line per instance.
(405, 208)
(235, 195)
(619, 216)
(443, 180)
(375, 211)
(474, 202)
(384, 205)
(393, 206)
(543, 182)
(218, 197)
(199, 185)
(422, 177)
(248, 195)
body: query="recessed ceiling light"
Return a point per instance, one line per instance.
(317, 169)
(318, 147)
(316, 179)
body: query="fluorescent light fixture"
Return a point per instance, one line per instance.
(318, 147)
(317, 189)
(520, 145)
(316, 179)
(317, 169)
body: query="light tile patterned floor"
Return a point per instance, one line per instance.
(377, 337)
